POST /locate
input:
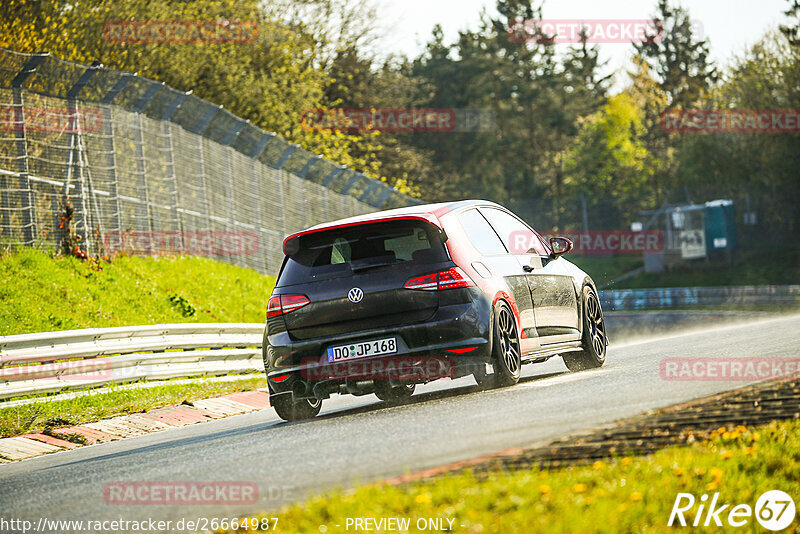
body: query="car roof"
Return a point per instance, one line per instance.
(431, 213)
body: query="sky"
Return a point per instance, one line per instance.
(729, 25)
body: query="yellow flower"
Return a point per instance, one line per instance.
(678, 471)
(741, 429)
(711, 486)
(579, 488)
(749, 450)
(626, 461)
(422, 498)
(636, 496)
(700, 471)
(544, 489)
(716, 473)
(726, 454)
(598, 465)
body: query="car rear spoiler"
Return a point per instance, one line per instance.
(292, 243)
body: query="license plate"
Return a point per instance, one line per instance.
(362, 350)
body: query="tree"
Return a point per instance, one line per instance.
(678, 57)
(761, 165)
(792, 32)
(271, 82)
(609, 163)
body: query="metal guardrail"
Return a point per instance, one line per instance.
(699, 297)
(75, 359)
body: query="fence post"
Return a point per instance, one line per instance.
(166, 129)
(141, 171)
(111, 158)
(228, 184)
(111, 148)
(203, 185)
(28, 209)
(74, 158)
(255, 178)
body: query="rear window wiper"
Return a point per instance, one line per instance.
(365, 267)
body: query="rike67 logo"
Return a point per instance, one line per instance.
(774, 510)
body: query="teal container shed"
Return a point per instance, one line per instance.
(720, 226)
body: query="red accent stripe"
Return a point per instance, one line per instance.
(280, 378)
(462, 351)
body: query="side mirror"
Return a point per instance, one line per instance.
(560, 246)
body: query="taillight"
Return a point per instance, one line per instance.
(449, 279)
(285, 304)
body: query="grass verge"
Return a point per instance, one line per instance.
(40, 416)
(604, 270)
(780, 266)
(620, 495)
(42, 293)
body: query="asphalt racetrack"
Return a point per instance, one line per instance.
(360, 439)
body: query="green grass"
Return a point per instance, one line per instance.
(37, 417)
(750, 267)
(604, 269)
(777, 267)
(621, 495)
(40, 293)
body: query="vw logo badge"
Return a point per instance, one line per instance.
(355, 295)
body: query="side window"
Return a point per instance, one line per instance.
(480, 234)
(516, 235)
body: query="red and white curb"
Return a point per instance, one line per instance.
(128, 426)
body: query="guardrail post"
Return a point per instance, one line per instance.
(28, 209)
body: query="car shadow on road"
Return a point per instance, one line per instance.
(421, 398)
(261, 426)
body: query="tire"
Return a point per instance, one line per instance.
(594, 340)
(290, 410)
(388, 393)
(506, 356)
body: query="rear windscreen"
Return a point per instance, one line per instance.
(344, 251)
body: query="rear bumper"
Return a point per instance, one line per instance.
(462, 328)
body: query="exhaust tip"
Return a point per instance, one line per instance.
(300, 388)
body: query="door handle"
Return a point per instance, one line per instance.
(527, 268)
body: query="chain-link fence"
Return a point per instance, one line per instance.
(108, 161)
